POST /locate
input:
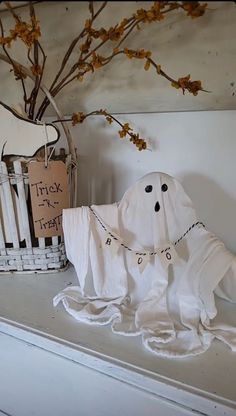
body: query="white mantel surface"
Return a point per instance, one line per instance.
(205, 383)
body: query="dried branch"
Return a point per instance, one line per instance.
(18, 73)
(11, 10)
(24, 95)
(20, 6)
(91, 9)
(37, 68)
(120, 33)
(100, 10)
(126, 130)
(184, 83)
(90, 42)
(72, 46)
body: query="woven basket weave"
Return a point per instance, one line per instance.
(36, 260)
(19, 249)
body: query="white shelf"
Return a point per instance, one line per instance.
(205, 383)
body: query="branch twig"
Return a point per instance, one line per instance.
(73, 44)
(125, 127)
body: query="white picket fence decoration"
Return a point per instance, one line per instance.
(19, 251)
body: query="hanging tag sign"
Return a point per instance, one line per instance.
(49, 196)
(169, 256)
(112, 244)
(142, 262)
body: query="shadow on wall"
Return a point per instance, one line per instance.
(104, 172)
(96, 182)
(214, 206)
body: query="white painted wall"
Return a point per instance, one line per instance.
(199, 148)
(204, 48)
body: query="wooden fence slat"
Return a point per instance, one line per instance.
(4, 216)
(68, 166)
(55, 241)
(23, 204)
(9, 204)
(41, 242)
(69, 169)
(2, 242)
(2, 239)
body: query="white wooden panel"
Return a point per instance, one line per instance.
(42, 242)
(199, 148)
(8, 201)
(2, 242)
(36, 382)
(22, 204)
(204, 48)
(4, 213)
(55, 241)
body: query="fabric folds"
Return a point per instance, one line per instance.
(149, 268)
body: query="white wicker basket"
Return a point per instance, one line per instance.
(42, 255)
(20, 251)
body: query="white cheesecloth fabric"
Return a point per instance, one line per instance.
(170, 303)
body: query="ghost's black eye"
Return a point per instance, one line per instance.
(164, 187)
(148, 188)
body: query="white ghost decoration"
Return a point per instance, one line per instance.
(148, 266)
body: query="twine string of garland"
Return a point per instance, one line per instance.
(144, 253)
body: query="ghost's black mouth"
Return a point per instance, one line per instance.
(157, 206)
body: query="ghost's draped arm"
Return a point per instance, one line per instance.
(77, 300)
(217, 274)
(226, 288)
(76, 223)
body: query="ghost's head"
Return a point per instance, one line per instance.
(158, 207)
